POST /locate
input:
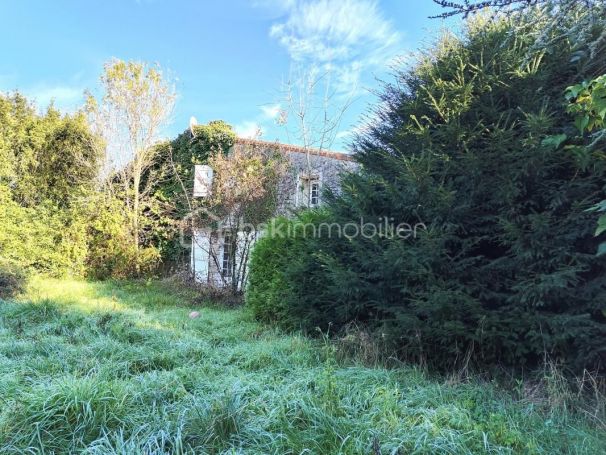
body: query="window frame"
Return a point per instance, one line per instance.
(314, 193)
(227, 255)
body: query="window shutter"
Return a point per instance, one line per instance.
(200, 255)
(203, 180)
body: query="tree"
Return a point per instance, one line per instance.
(506, 271)
(45, 157)
(171, 196)
(245, 195)
(470, 7)
(587, 105)
(313, 112)
(137, 102)
(48, 168)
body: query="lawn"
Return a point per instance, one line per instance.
(108, 368)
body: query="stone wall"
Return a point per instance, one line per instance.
(325, 165)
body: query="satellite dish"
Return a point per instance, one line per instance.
(192, 122)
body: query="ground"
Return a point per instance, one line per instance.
(112, 368)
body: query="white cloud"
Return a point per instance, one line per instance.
(249, 130)
(256, 128)
(328, 30)
(64, 97)
(271, 111)
(360, 129)
(348, 37)
(343, 134)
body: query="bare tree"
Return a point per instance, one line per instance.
(468, 7)
(314, 109)
(245, 194)
(137, 102)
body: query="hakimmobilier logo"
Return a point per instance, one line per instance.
(385, 227)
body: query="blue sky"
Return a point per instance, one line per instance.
(231, 58)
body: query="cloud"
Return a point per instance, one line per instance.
(360, 129)
(328, 30)
(249, 129)
(347, 37)
(271, 111)
(258, 126)
(343, 134)
(65, 97)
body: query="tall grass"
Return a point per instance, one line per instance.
(120, 368)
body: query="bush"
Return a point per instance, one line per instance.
(111, 251)
(506, 270)
(12, 279)
(284, 263)
(267, 287)
(43, 237)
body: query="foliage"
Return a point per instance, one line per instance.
(41, 238)
(471, 7)
(505, 271)
(267, 290)
(111, 254)
(283, 264)
(12, 279)
(120, 368)
(45, 157)
(54, 218)
(587, 104)
(172, 195)
(49, 168)
(136, 103)
(58, 217)
(245, 194)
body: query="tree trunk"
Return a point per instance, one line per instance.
(136, 196)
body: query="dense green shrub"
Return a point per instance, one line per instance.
(42, 238)
(48, 165)
(45, 157)
(111, 252)
(13, 279)
(506, 270)
(273, 266)
(267, 289)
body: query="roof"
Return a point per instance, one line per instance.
(296, 149)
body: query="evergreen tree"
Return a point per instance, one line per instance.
(506, 270)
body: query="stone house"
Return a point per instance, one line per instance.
(309, 172)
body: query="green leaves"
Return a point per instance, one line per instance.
(587, 103)
(554, 141)
(601, 225)
(475, 143)
(582, 122)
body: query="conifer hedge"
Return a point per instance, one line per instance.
(506, 271)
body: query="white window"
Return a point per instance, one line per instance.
(314, 193)
(308, 194)
(226, 263)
